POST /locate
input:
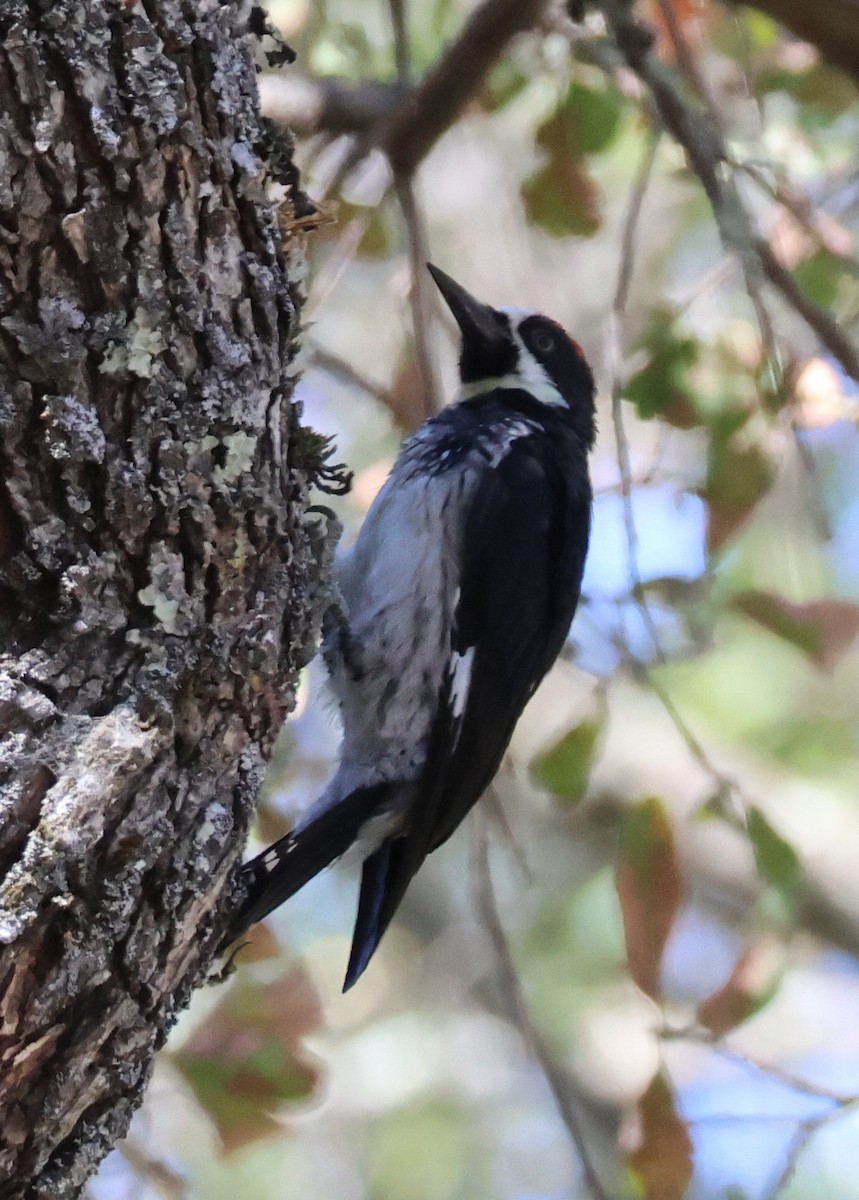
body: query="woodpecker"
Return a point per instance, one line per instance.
(457, 598)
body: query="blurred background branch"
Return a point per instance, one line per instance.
(574, 1108)
(404, 119)
(830, 25)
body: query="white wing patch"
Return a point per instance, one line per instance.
(275, 855)
(460, 679)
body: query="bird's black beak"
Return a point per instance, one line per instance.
(488, 348)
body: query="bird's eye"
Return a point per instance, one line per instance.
(542, 341)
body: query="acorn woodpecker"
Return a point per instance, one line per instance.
(457, 598)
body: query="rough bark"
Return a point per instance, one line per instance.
(157, 572)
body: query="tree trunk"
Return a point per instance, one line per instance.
(159, 587)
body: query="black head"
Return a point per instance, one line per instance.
(510, 348)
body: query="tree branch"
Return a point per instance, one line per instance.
(456, 78)
(405, 121)
(699, 135)
(416, 236)
(615, 349)
(560, 1086)
(328, 104)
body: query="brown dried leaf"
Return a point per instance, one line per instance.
(405, 397)
(259, 944)
(650, 888)
(270, 824)
(662, 1162)
(751, 984)
(247, 1060)
(822, 629)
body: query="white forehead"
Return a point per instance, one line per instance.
(518, 315)
(529, 374)
(529, 370)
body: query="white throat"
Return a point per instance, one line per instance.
(541, 388)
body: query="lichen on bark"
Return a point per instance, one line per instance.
(161, 582)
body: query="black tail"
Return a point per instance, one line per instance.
(386, 875)
(284, 868)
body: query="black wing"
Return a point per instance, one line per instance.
(526, 536)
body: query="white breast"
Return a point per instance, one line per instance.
(399, 586)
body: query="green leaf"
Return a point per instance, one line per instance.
(441, 18)
(420, 1153)
(561, 197)
(566, 767)
(505, 81)
(379, 237)
(563, 200)
(762, 31)
(662, 387)
(592, 118)
(738, 475)
(825, 92)
(777, 862)
(819, 277)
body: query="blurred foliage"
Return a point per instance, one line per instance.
(663, 388)
(246, 1060)
(650, 889)
(663, 1160)
(565, 768)
(561, 197)
(675, 855)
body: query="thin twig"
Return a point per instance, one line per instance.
(831, 27)
(803, 212)
(783, 1075)
(805, 1131)
(328, 361)
(724, 783)
(331, 273)
(685, 56)
(803, 1134)
(455, 79)
(327, 104)
(418, 295)
(813, 484)
(827, 329)
(616, 323)
(558, 1084)
(689, 65)
(407, 121)
(415, 231)
(155, 1171)
(402, 51)
(840, 1102)
(495, 809)
(699, 134)
(728, 1118)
